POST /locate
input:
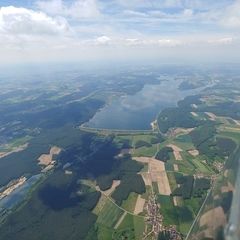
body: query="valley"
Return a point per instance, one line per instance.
(104, 179)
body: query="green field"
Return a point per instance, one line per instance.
(169, 166)
(164, 200)
(144, 137)
(147, 193)
(231, 134)
(120, 138)
(127, 233)
(182, 216)
(134, 223)
(172, 180)
(127, 222)
(201, 167)
(104, 233)
(145, 151)
(167, 209)
(20, 141)
(184, 142)
(130, 203)
(109, 215)
(194, 203)
(138, 227)
(15, 143)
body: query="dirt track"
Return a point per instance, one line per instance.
(120, 220)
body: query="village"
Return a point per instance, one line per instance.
(155, 220)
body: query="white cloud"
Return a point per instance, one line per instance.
(184, 42)
(227, 40)
(77, 29)
(169, 42)
(230, 16)
(152, 4)
(184, 15)
(232, 21)
(132, 41)
(131, 13)
(76, 9)
(150, 42)
(51, 7)
(103, 40)
(84, 8)
(188, 12)
(22, 21)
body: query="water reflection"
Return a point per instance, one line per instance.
(139, 110)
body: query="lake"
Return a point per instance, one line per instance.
(136, 112)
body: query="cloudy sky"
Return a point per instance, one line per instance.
(164, 30)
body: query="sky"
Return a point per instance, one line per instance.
(137, 30)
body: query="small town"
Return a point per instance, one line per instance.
(155, 220)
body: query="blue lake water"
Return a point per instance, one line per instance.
(136, 112)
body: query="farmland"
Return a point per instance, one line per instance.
(118, 183)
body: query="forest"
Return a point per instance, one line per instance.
(176, 117)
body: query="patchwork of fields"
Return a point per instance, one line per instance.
(178, 178)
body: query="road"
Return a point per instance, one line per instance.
(110, 199)
(197, 217)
